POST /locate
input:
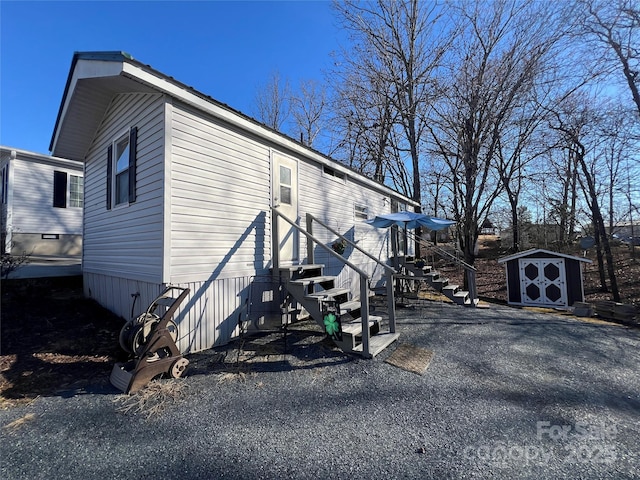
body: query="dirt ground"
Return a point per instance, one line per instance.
(53, 340)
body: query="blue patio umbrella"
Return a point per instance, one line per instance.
(410, 220)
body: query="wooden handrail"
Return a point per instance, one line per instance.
(469, 269)
(390, 272)
(364, 277)
(443, 252)
(311, 218)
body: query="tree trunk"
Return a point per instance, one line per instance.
(516, 227)
(574, 197)
(598, 221)
(600, 260)
(563, 210)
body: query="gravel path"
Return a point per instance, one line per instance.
(508, 394)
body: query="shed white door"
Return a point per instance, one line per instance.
(285, 190)
(542, 281)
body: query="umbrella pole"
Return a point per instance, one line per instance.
(394, 252)
(394, 247)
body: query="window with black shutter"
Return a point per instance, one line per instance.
(59, 189)
(121, 169)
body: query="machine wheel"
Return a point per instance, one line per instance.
(131, 329)
(172, 328)
(178, 367)
(134, 335)
(138, 340)
(125, 333)
(141, 336)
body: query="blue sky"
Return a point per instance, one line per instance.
(223, 49)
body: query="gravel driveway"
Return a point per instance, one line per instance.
(509, 394)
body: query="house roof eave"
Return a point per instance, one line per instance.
(30, 156)
(113, 57)
(93, 70)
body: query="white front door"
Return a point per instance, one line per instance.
(542, 281)
(285, 198)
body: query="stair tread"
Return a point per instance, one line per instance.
(310, 280)
(355, 328)
(378, 343)
(306, 266)
(347, 307)
(461, 293)
(332, 292)
(451, 287)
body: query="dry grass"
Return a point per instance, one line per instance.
(18, 423)
(153, 399)
(233, 376)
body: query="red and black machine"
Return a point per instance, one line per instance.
(150, 339)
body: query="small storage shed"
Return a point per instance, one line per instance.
(542, 278)
(41, 201)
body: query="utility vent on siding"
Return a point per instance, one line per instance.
(361, 212)
(333, 173)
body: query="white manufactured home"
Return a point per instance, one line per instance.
(41, 199)
(183, 190)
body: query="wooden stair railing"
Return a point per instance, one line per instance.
(470, 271)
(365, 330)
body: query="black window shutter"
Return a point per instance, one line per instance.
(109, 175)
(133, 143)
(59, 189)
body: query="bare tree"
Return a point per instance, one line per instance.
(272, 99)
(615, 145)
(397, 44)
(364, 120)
(516, 149)
(490, 77)
(308, 108)
(563, 201)
(572, 117)
(613, 26)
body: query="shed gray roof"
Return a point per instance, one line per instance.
(534, 251)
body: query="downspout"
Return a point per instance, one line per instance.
(167, 202)
(8, 241)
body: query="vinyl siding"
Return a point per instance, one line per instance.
(115, 293)
(208, 316)
(33, 210)
(127, 241)
(220, 225)
(333, 201)
(220, 197)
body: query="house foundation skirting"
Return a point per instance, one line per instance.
(45, 244)
(214, 313)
